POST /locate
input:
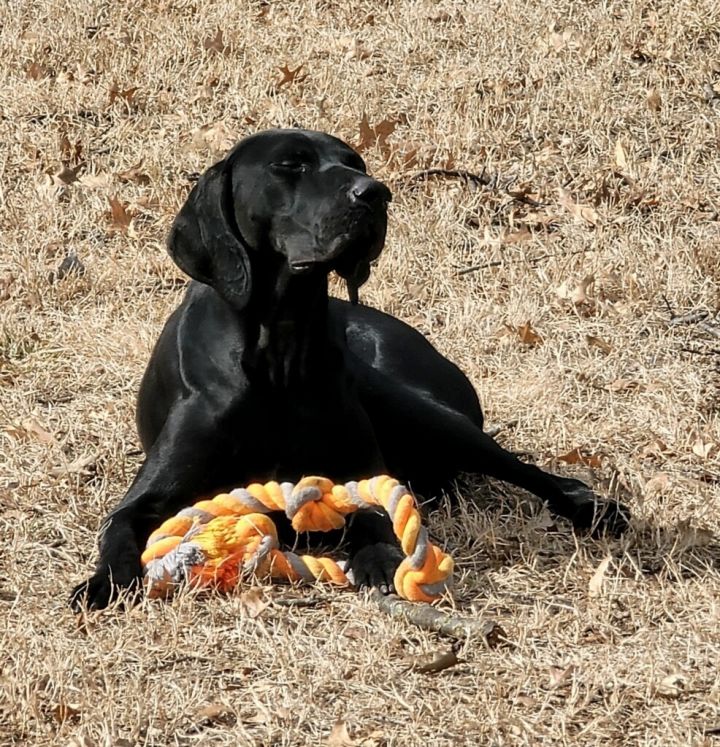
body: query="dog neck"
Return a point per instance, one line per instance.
(287, 337)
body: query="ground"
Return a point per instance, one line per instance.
(574, 278)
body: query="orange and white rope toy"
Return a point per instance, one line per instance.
(219, 542)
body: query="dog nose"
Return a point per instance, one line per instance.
(370, 191)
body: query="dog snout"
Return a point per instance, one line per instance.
(369, 191)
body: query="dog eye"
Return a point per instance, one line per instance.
(289, 166)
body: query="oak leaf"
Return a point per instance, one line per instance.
(371, 135)
(577, 457)
(119, 215)
(290, 76)
(582, 212)
(528, 336)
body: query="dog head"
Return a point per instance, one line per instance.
(293, 201)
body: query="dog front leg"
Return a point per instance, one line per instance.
(181, 466)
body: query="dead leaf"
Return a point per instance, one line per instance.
(215, 43)
(598, 343)
(435, 662)
(34, 428)
(211, 713)
(558, 41)
(6, 282)
(69, 152)
(253, 601)
(559, 676)
(658, 484)
(654, 101)
(579, 293)
(96, 181)
(290, 76)
(656, 448)
(582, 212)
(621, 385)
(67, 175)
(148, 202)
(215, 136)
(116, 92)
(528, 336)
(371, 135)
(540, 220)
(544, 520)
(515, 237)
(595, 586)
(356, 632)
(37, 71)
(119, 216)
(65, 712)
(354, 48)
(577, 457)
(339, 736)
(672, 686)
(134, 174)
(702, 448)
(259, 717)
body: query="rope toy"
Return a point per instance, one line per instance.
(220, 542)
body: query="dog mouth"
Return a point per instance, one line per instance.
(304, 266)
(329, 258)
(349, 252)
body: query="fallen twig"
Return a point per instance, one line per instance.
(692, 317)
(694, 351)
(711, 329)
(299, 601)
(426, 617)
(482, 180)
(529, 260)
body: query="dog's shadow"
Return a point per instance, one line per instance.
(492, 529)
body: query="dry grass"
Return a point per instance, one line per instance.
(538, 93)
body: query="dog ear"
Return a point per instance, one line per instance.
(204, 240)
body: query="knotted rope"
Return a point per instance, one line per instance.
(223, 541)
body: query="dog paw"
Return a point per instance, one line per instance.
(107, 584)
(609, 517)
(375, 565)
(588, 512)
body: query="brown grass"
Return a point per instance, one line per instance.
(618, 104)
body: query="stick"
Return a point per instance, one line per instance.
(710, 329)
(709, 351)
(299, 601)
(428, 618)
(692, 318)
(529, 260)
(482, 180)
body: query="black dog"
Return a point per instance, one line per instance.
(259, 375)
